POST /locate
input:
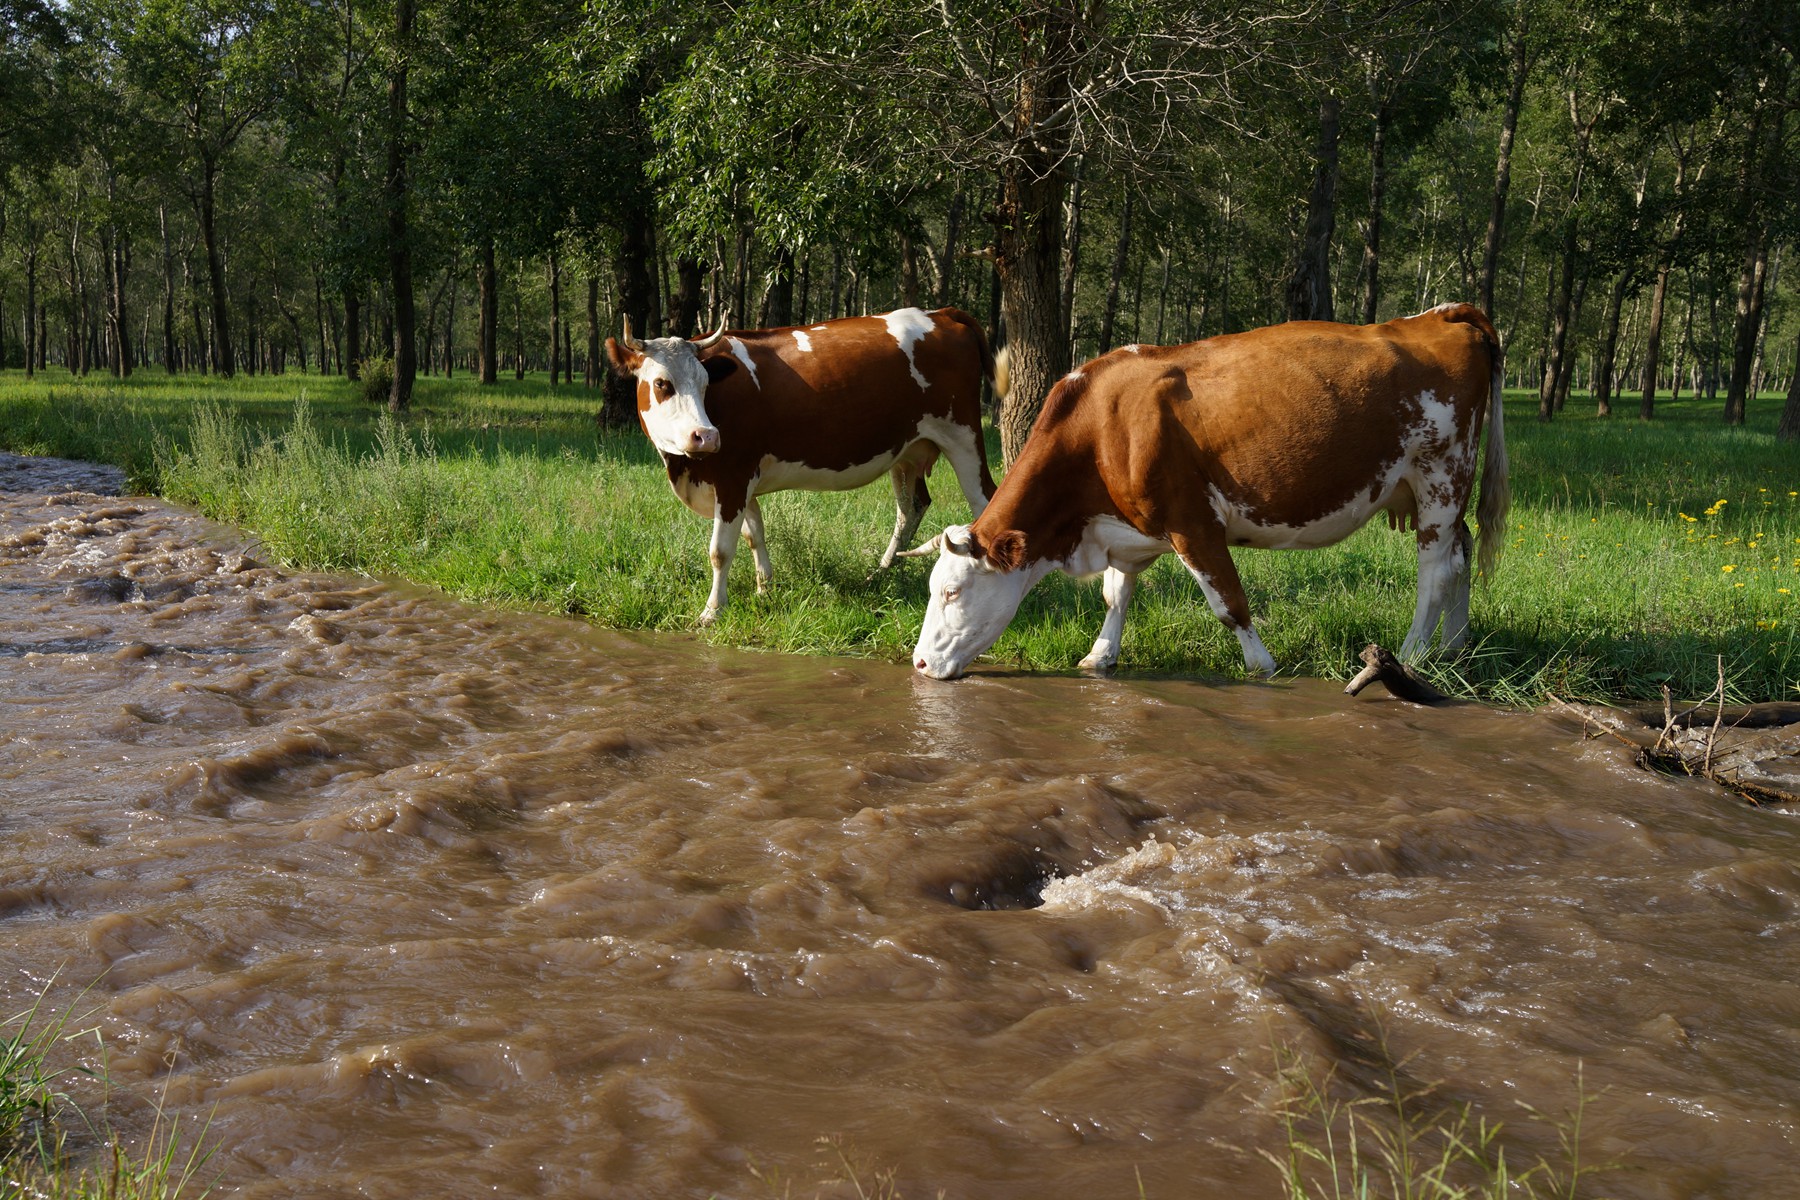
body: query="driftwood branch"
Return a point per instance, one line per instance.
(1380, 665)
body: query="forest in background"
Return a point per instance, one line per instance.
(251, 186)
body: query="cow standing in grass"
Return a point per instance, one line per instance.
(825, 407)
(1290, 437)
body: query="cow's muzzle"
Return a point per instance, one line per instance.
(702, 440)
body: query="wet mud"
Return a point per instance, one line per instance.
(419, 899)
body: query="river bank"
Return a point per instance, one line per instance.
(1639, 554)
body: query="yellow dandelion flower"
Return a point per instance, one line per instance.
(1784, 591)
(1728, 568)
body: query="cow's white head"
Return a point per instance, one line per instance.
(975, 591)
(671, 393)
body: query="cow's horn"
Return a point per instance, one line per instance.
(631, 343)
(922, 549)
(713, 338)
(965, 547)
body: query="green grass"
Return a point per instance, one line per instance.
(1622, 573)
(38, 1156)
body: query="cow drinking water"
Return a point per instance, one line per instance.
(825, 407)
(1289, 437)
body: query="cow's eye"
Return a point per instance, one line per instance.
(663, 388)
(951, 594)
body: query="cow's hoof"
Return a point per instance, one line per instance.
(762, 587)
(709, 616)
(1098, 664)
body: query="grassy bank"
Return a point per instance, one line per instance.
(1638, 553)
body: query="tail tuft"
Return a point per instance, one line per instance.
(1002, 374)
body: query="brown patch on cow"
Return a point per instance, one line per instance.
(1290, 424)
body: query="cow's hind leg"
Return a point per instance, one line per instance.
(911, 496)
(1440, 551)
(1117, 586)
(1456, 610)
(759, 546)
(725, 533)
(1209, 562)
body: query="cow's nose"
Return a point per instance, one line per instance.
(920, 664)
(704, 441)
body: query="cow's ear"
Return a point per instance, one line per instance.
(718, 368)
(1007, 550)
(624, 362)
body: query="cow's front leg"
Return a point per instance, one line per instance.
(759, 547)
(725, 533)
(911, 497)
(1209, 562)
(1117, 586)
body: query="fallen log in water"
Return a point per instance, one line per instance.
(1750, 749)
(1381, 666)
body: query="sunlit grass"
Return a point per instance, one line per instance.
(1638, 554)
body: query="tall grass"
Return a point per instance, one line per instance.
(38, 1156)
(1640, 554)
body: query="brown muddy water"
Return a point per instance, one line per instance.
(421, 900)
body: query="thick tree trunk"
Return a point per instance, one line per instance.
(406, 349)
(632, 283)
(1371, 299)
(689, 273)
(450, 327)
(1121, 255)
(1509, 123)
(1309, 283)
(909, 273)
(778, 305)
(487, 321)
(223, 354)
(1609, 342)
(1746, 326)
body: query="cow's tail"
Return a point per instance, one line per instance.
(1496, 490)
(994, 367)
(1000, 372)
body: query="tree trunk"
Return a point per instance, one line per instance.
(487, 320)
(1559, 324)
(1309, 284)
(1653, 339)
(778, 305)
(591, 376)
(1609, 342)
(31, 313)
(353, 333)
(1121, 255)
(1071, 264)
(1789, 428)
(223, 354)
(1372, 228)
(168, 308)
(1509, 123)
(556, 362)
(909, 273)
(952, 240)
(450, 326)
(631, 281)
(1567, 358)
(1746, 326)
(399, 239)
(686, 315)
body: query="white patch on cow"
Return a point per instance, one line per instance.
(907, 326)
(777, 475)
(1134, 348)
(1437, 419)
(1073, 376)
(701, 497)
(1241, 529)
(962, 447)
(818, 329)
(1438, 308)
(742, 353)
(1108, 541)
(804, 342)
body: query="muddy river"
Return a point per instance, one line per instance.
(416, 899)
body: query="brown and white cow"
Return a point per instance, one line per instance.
(824, 407)
(1289, 437)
